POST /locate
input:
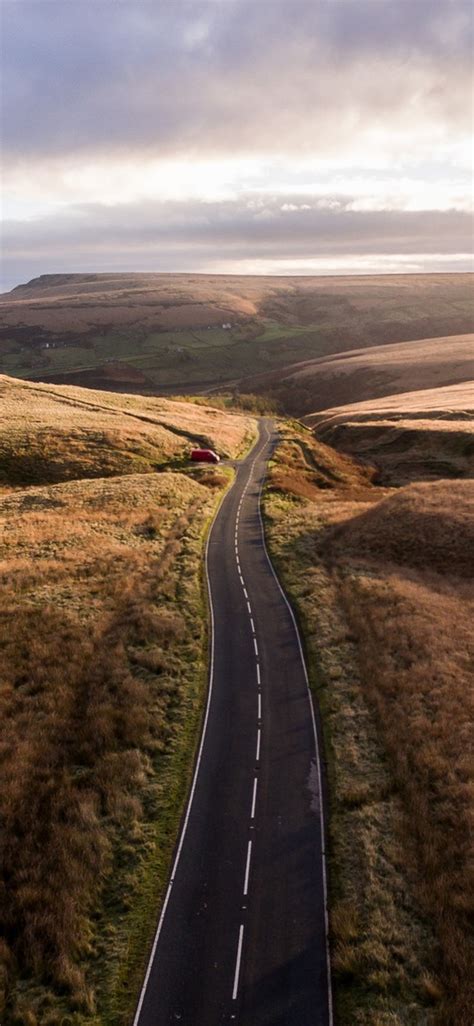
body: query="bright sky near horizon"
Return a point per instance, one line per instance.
(236, 136)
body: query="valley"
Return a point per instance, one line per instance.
(107, 383)
(164, 333)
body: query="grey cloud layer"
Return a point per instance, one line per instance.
(237, 230)
(226, 76)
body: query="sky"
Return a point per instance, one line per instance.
(236, 136)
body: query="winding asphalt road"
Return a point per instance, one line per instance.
(243, 934)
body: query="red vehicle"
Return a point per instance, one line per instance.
(205, 456)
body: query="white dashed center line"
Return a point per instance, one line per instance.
(259, 717)
(237, 962)
(254, 798)
(247, 868)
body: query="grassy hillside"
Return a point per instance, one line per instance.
(103, 633)
(158, 332)
(408, 437)
(51, 434)
(366, 374)
(381, 581)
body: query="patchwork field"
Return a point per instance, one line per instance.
(382, 584)
(159, 333)
(103, 633)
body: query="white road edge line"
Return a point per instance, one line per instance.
(237, 962)
(196, 768)
(316, 745)
(247, 868)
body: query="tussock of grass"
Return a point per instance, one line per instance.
(103, 673)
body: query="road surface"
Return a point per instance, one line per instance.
(243, 934)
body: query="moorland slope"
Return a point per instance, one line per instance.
(370, 373)
(172, 332)
(51, 433)
(414, 436)
(381, 579)
(104, 672)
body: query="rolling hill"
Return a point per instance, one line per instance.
(103, 634)
(50, 433)
(364, 374)
(413, 436)
(158, 333)
(382, 581)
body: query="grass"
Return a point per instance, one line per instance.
(103, 636)
(404, 449)
(103, 654)
(371, 377)
(382, 591)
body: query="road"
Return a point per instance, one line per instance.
(242, 937)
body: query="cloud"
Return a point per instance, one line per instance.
(228, 133)
(237, 230)
(236, 76)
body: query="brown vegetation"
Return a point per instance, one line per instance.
(304, 466)
(410, 437)
(102, 635)
(102, 638)
(384, 594)
(374, 372)
(50, 433)
(428, 527)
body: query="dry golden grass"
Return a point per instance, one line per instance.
(416, 654)
(50, 433)
(102, 635)
(362, 376)
(102, 632)
(446, 404)
(102, 640)
(305, 465)
(167, 300)
(414, 436)
(429, 527)
(386, 604)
